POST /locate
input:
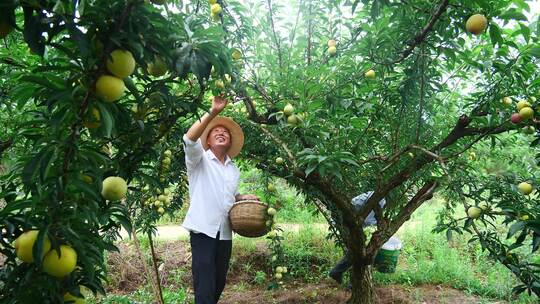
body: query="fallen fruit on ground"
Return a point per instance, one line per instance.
(60, 265)
(114, 188)
(279, 160)
(24, 245)
(271, 211)
(331, 42)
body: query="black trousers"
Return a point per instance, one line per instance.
(209, 265)
(343, 265)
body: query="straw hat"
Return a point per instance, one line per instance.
(237, 136)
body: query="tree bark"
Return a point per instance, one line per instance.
(362, 285)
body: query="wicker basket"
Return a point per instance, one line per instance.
(248, 218)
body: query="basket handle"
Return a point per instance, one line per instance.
(248, 200)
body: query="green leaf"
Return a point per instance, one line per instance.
(31, 167)
(80, 39)
(14, 206)
(310, 168)
(51, 81)
(88, 189)
(45, 163)
(107, 120)
(22, 94)
(495, 34)
(355, 4)
(534, 51)
(517, 226)
(536, 242)
(37, 250)
(512, 14)
(525, 32)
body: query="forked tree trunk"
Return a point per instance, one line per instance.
(362, 285)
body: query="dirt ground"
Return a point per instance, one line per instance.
(329, 293)
(128, 274)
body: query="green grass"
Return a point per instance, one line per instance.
(309, 254)
(170, 296)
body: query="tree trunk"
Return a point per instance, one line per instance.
(362, 285)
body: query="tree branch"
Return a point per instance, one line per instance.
(387, 229)
(278, 46)
(12, 62)
(282, 144)
(419, 38)
(458, 132)
(422, 92)
(357, 236)
(252, 111)
(309, 36)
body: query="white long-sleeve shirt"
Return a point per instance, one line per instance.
(212, 190)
